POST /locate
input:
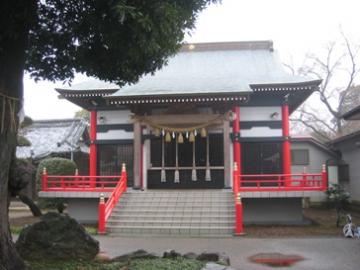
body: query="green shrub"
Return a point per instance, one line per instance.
(22, 141)
(337, 198)
(26, 122)
(54, 166)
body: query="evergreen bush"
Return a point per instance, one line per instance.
(54, 166)
(23, 141)
(337, 198)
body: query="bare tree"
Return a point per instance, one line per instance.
(338, 68)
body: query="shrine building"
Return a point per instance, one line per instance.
(214, 119)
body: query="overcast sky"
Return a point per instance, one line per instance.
(296, 27)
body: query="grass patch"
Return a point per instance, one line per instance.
(15, 229)
(91, 230)
(166, 264)
(138, 264)
(74, 265)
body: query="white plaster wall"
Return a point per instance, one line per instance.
(114, 117)
(317, 157)
(260, 113)
(115, 134)
(261, 132)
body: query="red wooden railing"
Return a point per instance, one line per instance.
(271, 183)
(282, 182)
(105, 208)
(69, 183)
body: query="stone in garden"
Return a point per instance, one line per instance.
(102, 257)
(138, 254)
(190, 255)
(208, 256)
(171, 254)
(56, 236)
(215, 266)
(220, 258)
(223, 259)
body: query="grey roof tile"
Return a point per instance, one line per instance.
(207, 68)
(53, 136)
(199, 72)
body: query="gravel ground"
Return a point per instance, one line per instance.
(326, 253)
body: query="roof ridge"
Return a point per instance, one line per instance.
(57, 120)
(228, 46)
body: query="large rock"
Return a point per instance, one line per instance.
(221, 258)
(56, 236)
(138, 254)
(171, 254)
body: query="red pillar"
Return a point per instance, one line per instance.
(239, 230)
(239, 227)
(236, 138)
(93, 147)
(286, 143)
(101, 213)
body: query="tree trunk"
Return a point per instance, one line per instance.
(15, 22)
(35, 210)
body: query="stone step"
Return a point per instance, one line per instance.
(171, 211)
(184, 193)
(174, 213)
(176, 200)
(175, 207)
(171, 230)
(175, 216)
(170, 222)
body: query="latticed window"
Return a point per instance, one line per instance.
(261, 158)
(111, 156)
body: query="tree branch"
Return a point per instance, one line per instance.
(316, 119)
(314, 129)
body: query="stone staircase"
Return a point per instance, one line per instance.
(164, 212)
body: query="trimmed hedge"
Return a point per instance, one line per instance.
(54, 166)
(22, 141)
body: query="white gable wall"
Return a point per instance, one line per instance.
(114, 118)
(260, 114)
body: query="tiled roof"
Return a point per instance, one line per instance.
(209, 68)
(91, 85)
(53, 136)
(229, 68)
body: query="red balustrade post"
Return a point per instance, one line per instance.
(324, 178)
(124, 175)
(44, 180)
(101, 222)
(93, 149)
(239, 228)
(286, 143)
(236, 177)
